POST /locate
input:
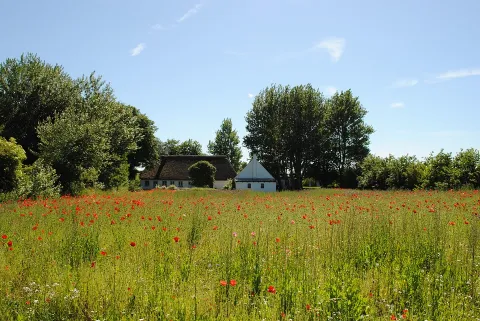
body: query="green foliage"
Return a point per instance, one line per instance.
(174, 147)
(440, 171)
(227, 143)
(229, 185)
(96, 135)
(309, 181)
(11, 157)
(202, 174)
(295, 131)
(147, 152)
(115, 174)
(42, 181)
(284, 129)
(31, 91)
(172, 187)
(134, 184)
(347, 136)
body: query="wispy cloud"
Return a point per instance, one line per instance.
(460, 73)
(159, 27)
(397, 105)
(193, 11)
(405, 83)
(330, 91)
(334, 46)
(138, 49)
(251, 95)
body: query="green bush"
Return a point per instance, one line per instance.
(11, 157)
(202, 174)
(172, 187)
(39, 180)
(134, 184)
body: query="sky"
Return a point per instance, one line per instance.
(189, 64)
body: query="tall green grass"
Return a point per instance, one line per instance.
(220, 255)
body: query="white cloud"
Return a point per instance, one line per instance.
(193, 11)
(251, 95)
(335, 47)
(397, 105)
(158, 27)
(330, 90)
(461, 73)
(138, 49)
(405, 83)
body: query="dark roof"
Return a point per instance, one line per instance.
(176, 167)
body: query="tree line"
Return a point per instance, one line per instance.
(62, 135)
(438, 171)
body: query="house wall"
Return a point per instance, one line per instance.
(160, 183)
(257, 186)
(179, 184)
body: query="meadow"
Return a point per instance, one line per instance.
(223, 255)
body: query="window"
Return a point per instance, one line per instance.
(180, 184)
(189, 183)
(164, 183)
(262, 185)
(249, 185)
(155, 183)
(172, 182)
(146, 183)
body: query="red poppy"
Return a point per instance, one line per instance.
(393, 317)
(307, 307)
(9, 243)
(4, 236)
(233, 282)
(223, 283)
(277, 240)
(132, 244)
(176, 239)
(93, 264)
(272, 289)
(103, 253)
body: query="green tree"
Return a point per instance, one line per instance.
(438, 172)
(11, 157)
(227, 143)
(169, 147)
(202, 174)
(190, 147)
(87, 139)
(30, 92)
(284, 129)
(374, 173)
(347, 135)
(39, 181)
(466, 169)
(147, 152)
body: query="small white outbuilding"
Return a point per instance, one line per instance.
(255, 177)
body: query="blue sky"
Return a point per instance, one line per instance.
(188, 64)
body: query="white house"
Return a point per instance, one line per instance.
(255, 177)
(173, 170)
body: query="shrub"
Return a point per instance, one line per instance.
(11, 157)
(229, 185)
(202, 173)
(40, 180)
(134, 184)
(172, 187)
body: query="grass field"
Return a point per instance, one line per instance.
(205, 255)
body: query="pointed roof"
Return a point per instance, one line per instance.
(254, 172)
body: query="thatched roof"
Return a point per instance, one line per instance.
(176, 167)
